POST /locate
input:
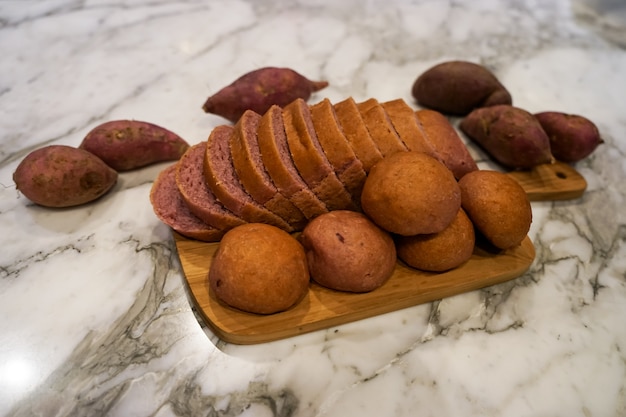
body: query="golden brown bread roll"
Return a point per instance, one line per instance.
(259, 268)
(411, 193)
(347, 252)
(438, 252)
(498, 206)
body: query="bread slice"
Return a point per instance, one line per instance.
(196, 192)
(171, 209)
(222, 178)
(380, 127)
(309, 158)
(356, 133)
(405, 123)
(244, 146)
(337, 149)
(275, 155)
(447, 143)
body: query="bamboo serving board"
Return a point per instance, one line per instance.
(548, 182)
(323, 308)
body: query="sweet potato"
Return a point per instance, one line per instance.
(572, 137)
(512, 136)
(458, 87)
(258, 90)
(130, 144)
(63, 176)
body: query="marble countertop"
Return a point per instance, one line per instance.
(95, 317)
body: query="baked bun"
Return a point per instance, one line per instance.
(438, 252)
(260, 269)
(498, 206)
(346, 251)
(411, 193)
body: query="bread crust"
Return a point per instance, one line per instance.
(222, 178)
(196, 193)
(411, 193)
(252, 173)
(498, 206)
(310, 160)
(380, 128)
(260, 269)
(277, 160)
(439, 252)
(406, 125)
(356, 133)
(171, 209)
(446, 142)
(347, 166)
(347, 252)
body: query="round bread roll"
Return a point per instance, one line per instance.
(260, 269)
(498, 206)
(411, 193)
(438, 252)
(346, 251)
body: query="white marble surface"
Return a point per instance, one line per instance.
(94, 315)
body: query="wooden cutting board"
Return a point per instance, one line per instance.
(323, 308)
(551, 182)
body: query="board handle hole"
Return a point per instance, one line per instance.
(561, 175)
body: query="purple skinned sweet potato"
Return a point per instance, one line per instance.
(258, 90)
(572, 137)
(63, 176)
(458, 87)
(130, 144)
(510, 135)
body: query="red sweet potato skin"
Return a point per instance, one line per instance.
(130, 144)
(258, 90)
(512, 136)
(458, 87)
(572, 137)
(63, 176)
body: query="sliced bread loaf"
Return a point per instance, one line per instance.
(277, 160)
(222, 178)
(446, 142)
(252, 173)
(405, 123)
(196, 192)
(309, 158)
(337, 149)
(171, 209)
(380, 127)
(356, 133)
